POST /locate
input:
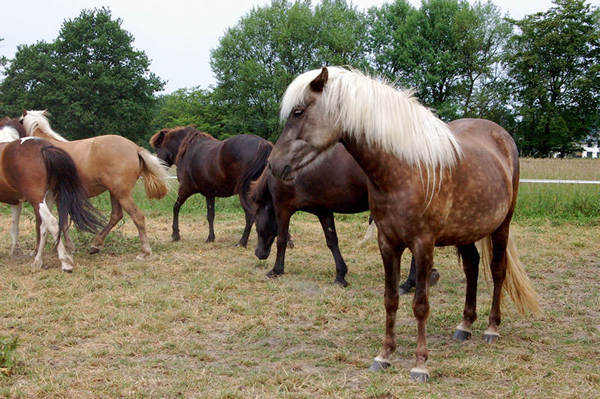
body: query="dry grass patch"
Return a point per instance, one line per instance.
(201, 320)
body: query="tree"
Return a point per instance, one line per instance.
(448, 50)
(259, 57)
(554, 63)
(90, 78)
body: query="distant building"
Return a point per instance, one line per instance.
(590, 149)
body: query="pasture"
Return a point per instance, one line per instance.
(201, 320)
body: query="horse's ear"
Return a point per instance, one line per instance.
(319, 82)
(157, 139)
(24, 112)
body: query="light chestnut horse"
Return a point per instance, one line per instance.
(33, 170)
(430, 184)
(111, 163)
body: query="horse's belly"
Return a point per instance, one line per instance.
(9, 196)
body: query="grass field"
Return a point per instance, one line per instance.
(201, 320)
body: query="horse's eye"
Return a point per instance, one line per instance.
(298, 112)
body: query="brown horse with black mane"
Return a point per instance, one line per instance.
(108, 163)
(344, 191)
(33, 170)
(213, 168)
(430, 184)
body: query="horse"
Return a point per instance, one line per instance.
(33, 170)
(430, 184)
(213, 168)
(345, 192)
(108, 163)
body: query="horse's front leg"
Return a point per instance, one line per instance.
(423, 254)
(182, 196)
(15, 211)
(391, 263)
(249, 215)
(283, 225)
(116, 214)
(328, 225)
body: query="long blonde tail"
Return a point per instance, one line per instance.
(154, 174)
(516, 283)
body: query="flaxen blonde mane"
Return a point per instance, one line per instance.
(372, 111)
(37, 122)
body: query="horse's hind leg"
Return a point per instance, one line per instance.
(328, 225)
(140, 222)
(115, 215)
(210, 216)
(41, 231)
(470, 262)
(14, 228)
(498, 269)
(51, 224)
(410, 282)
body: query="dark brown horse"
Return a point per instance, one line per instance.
(345, 191)
(33, 170)
(213, 168)
(430, 184)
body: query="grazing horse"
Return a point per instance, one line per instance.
(430, 184)
(213, 168)
(33, 170)
(345, 191)
(111, 163)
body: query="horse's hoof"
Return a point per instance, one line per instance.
(490, 338)
(273, 274)
(67, 270)
(243, 245)
(143, 256)
(37, 265)
(403, 290)
(341, 282)
(419, 375)
(461, 335)
(93, 250)
(434, 277)
(210, 239)
(290, 244)
(175, 237)
(380, 364)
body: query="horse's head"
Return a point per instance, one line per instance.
(266, 224)
(166, 144)
(309, 130)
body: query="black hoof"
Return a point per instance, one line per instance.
(93, 250)
(419, 375)
(490, 338)
(68, 270)
(404, 289)
(461, 335)
(290, 244)
(242, 244)
(175, 237)
(210, 239)
(273, 274)
(434, 277)
(341, 282)
(379, 365)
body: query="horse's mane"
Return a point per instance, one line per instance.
(11, 130)
(372, 111)
(37, 120)
(192, 136)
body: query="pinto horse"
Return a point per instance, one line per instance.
(111, 163)
(33, 170)
(430, 184)
(213, 168)
(345, 192)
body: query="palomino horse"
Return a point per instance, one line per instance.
(111, 163)
(213, 168)
(277, 201)
(430, 184)
(33, 170)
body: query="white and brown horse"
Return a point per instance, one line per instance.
(33, 170)
(430, 184)
(112, 163)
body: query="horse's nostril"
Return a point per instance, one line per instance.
(286, 170)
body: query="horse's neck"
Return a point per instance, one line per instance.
(40, 133)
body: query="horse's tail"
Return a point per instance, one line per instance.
(71, 197)
(516, 282)
(154, 174)
(253, 171)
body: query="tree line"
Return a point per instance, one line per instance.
(539, 77)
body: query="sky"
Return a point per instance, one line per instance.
(177, 35)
